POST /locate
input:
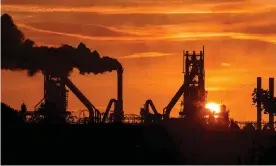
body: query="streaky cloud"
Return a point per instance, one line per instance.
(145, 55)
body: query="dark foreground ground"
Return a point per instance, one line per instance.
(129, 144)
(87, 144)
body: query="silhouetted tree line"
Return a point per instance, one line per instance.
(268, 104)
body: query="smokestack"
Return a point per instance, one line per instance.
(259, 110)
(271, 95)
(19, 53)
(119, 113)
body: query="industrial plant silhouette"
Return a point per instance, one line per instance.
(50, 134)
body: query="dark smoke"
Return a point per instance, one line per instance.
(19, 53)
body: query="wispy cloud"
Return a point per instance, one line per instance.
(214, 89)
(225, 64)
(116, 2)
(145, 55)
(85, 29)
(220, 79)
(148, 9)
(173, 37)
(72, 34)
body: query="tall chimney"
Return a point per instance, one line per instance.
(259, 110)
(271, 94)
(119, 113)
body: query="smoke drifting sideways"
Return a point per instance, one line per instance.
(19, 53)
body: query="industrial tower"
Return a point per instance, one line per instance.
(192, 90)
(194, 95)
(55, 95)
(56, 99)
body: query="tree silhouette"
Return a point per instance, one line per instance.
(268, 104)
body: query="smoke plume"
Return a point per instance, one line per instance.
(19, 53)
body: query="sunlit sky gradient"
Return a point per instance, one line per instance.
(148, 37)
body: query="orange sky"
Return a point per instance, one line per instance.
(148, 38)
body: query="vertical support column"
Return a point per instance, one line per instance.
(203, 72)
(119, 113)
(202, 78)
(271, 95)
(183, 63)
(259, 109)
(44, 83)
(62, 96)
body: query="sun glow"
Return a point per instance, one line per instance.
(214, 107)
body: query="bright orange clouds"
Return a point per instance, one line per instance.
(173, 7)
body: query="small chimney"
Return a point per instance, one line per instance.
(119, 113)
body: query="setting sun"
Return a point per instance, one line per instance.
(214, 107)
